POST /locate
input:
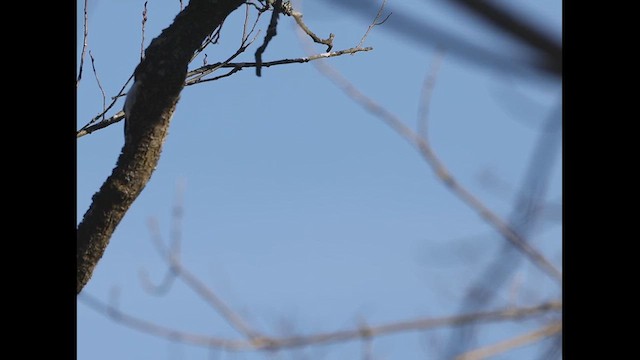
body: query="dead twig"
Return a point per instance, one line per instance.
(195, 76)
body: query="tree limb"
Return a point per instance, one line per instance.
(160, 76)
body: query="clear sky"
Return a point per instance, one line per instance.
(304, 212)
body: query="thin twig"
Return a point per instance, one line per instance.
(85, 37)
(95, 73)
(90, 127)
(211, 39)
(278, 343)
(195, 78)
(375, 22)
(504, 346)
(328, 41)
(215, 36)
(246, 21)
(227, 74)
(271, 33)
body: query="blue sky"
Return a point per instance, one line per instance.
(301, 209)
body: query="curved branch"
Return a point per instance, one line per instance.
(160, 76)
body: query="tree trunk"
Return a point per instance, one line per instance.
(160, 78)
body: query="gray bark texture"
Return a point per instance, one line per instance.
(160, 77)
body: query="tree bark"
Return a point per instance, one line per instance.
(160, 78)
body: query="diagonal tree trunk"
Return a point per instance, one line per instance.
(159, 79)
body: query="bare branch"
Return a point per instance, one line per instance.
(95, 73)
(210, 39)
(328, 41)
(279, 343)
(246, 21)
(524, 216)
(503, 346)
(440, 169)
(159, 330)
(227, 74)
(287, 9)
(90, 127)
(171, 257)
(240, 65)
(195, 77)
